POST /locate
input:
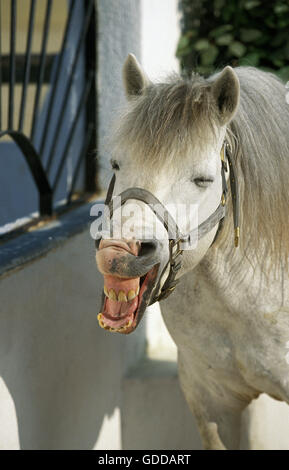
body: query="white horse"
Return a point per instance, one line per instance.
(229, 314)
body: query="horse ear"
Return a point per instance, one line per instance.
(226, 91)
(134, 78)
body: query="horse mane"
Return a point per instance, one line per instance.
(259, 136)
(163, 123)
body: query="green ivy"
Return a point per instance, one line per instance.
(236, 32)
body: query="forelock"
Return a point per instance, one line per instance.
(170, 116)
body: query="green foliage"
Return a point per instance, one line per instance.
(236, 32)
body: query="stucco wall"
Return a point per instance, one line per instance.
(62, 371)
(160, 33)
(119, 33)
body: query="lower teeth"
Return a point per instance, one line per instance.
(113, 330)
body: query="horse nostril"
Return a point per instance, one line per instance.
(127, 259)
(148, 248)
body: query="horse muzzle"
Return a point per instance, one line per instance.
(130, 270)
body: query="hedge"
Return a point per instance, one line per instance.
(235, 32)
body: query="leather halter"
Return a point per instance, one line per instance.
(178, 242)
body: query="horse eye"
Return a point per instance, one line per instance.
(114, 165)
(203, 182)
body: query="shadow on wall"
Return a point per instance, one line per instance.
(154, 412)
(62, 371)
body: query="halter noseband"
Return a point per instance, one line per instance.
(178, 241)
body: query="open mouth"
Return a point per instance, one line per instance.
(125, 301)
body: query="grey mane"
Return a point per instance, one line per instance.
(259, 135)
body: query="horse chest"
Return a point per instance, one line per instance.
(194, 320)
(240, 334)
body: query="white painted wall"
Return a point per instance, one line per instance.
(160, 33)
(118, 34)
(61, 373)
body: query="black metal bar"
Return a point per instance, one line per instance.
(90, 162)
(36, 169)
(69, 84)
(81, 105)
(82, 156)
(20, 61)
(12, 63)
(42, 65)
(27, 64)
(54, 85)
(0, 65)
(20, 69)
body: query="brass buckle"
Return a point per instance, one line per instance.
(174, 255)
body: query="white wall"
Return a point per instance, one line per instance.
(119, 26)
(62, 371)
(160, 33)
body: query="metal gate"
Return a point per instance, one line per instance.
(48, 99)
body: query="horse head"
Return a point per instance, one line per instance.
(170, 188)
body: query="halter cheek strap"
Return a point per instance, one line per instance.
(234, 192)
(178, 241)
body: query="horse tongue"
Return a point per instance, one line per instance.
(118, 310)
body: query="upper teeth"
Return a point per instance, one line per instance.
(121, 296)
(131, 294)
(112, 294)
